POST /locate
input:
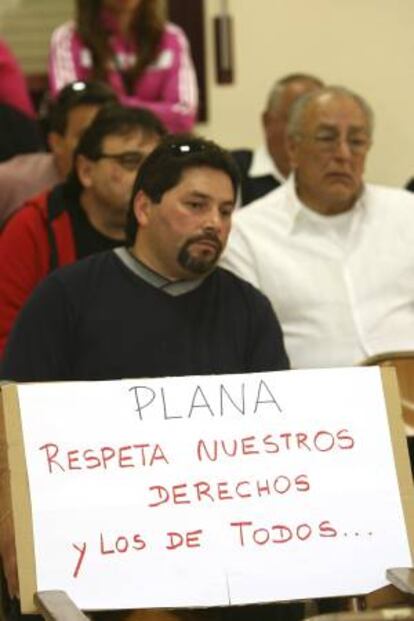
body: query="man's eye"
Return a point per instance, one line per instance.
(325, 138)
(195, 205)
(358, 142)
(132, 166)
(226, 211)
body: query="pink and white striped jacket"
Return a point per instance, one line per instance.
(168, 87)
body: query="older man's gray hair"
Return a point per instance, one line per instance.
(301, 104)
(278, 88)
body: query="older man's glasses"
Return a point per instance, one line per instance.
(329, 142)
(130, 160)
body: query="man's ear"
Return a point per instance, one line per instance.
(142, 209)
(292, 150)
(54, 140)
(84, 168)
(270, 123)
(265, 120)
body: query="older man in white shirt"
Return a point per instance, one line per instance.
(334, 255)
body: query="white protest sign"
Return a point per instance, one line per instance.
(205, 491)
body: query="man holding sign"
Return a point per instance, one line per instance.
(159, 306)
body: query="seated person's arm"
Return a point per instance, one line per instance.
(23, 263)
(40, 344)
(177, 103)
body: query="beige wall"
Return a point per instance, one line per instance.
(367, 45)
(27, 28)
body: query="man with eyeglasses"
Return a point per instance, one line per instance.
(157, 305)
(334, 255)
(86, 214)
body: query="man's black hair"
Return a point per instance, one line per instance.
(164, 167)
(74, 95)
(112, 120)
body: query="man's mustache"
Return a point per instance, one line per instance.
(205, 237)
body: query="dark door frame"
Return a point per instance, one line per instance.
(189, 14)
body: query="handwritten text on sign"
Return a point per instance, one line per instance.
(212, 490)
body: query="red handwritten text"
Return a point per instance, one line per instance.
(81, 549)
(121, 544)
(190, 539)
(322, 441)
(247, 533)
(130, 456)
(185, 493)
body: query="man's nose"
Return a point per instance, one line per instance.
(343, 148)
(213, 219)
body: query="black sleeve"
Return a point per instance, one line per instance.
(410, 185)
(267, 349)
(39, 347)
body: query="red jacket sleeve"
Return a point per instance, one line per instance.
(25, 255)
(24, 261)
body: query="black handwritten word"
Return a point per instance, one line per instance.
(320, 441)
(131, 456)
(219, 404)
(184, 493)
(246, 533)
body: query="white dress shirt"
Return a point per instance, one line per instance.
(342, 286)
(262, 164)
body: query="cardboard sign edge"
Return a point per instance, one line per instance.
(20, 497)
(399, 444)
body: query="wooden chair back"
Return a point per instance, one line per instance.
(403, 362)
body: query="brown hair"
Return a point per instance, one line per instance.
(146, 30)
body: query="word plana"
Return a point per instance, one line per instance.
(215, 402)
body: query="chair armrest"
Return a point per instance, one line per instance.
(57, 606)
(386, 614)
(402, 578)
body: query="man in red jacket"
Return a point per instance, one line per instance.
(84, 215)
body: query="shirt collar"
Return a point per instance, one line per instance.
(300, 215)
(172, 287)
(262, 164)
